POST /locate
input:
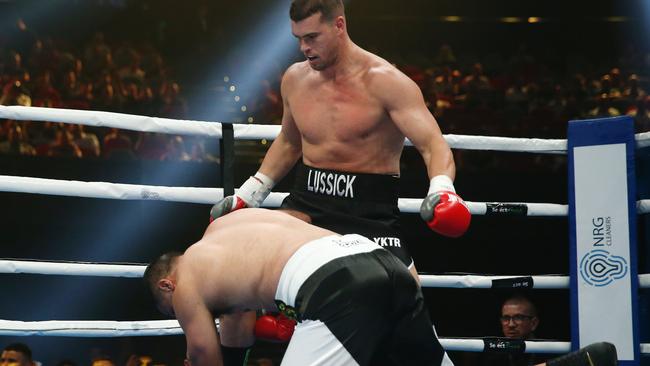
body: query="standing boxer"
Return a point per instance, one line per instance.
(346, 114)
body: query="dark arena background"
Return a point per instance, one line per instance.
(496, 68)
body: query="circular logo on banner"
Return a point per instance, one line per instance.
(600, 268)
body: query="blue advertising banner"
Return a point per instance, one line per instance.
(603, 233)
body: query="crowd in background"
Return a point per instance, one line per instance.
(21, 354)
(99, 75)
(502, 95)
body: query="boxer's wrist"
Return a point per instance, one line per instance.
(255, 189)
(265, 180)
(441, 183)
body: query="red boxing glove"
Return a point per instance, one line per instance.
(443, 210)
(274, 328)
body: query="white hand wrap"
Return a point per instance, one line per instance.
(255, 189)
(441, 183)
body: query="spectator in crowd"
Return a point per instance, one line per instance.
(117, 144)
(476, 86)
(604, 108)
(139, 360)
(641, 113)
(519, 317)
(16, 142)
(151, 146)
(519, 320)
(45, 94)
(64, 145)
(15, 93)
(102, 360)
(87, 141)
(633, 90)
(17, 354)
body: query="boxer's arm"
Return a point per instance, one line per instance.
(236, 329)
(203, 347)
(281, 157)
(404, 102)
(443, 210)
(236, 336)
(286, 149)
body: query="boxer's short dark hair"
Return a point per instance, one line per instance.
(159, 268)
(329, 9)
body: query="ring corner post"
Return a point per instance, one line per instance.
(603, 235)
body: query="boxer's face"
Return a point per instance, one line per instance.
(318, 39)
(165, 307)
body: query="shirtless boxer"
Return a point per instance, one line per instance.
(355, 303)
(346, 113)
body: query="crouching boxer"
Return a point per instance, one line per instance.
(355, 303)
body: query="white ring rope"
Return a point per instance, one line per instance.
(478, 281)
(9, 266)
(478, 345)
(212, 195)
(99, 328)
(90, 328)
(121, 191)
(71, 268)
(250, 131)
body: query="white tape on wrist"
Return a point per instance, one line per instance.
(268, 182)
(441, 183)
(255, 189)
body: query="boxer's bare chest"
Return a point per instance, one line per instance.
(336, 111)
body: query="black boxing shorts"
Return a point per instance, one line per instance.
(355, 304)
(351, 203)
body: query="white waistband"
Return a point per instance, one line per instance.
(313, 255)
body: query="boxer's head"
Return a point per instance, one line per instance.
(319, 26)
(158, 278)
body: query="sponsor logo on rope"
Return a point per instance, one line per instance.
(149, 195)
(506, 209)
